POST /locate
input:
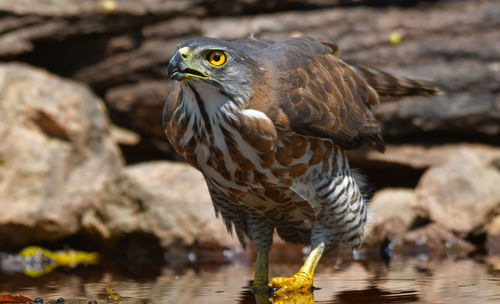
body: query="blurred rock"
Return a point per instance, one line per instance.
(148, 60)
(32, 21)
(454, 114)
(466, 68)
(123, 136)
(494, 262)
(389, 204)
(168, 200)
(419, 157)
(140, 106)
(402, 165)
(470, 104)
(121, 49)
(390, 216)
(462, 194)
(493, 236)
(55, 154)
(430, 239)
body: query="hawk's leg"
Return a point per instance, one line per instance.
(260, 231)
(303, 279)
(261, 277)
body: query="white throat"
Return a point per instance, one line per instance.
(207, 102)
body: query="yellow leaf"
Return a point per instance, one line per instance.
(395, 38)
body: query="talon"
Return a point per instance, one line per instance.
(297, 282)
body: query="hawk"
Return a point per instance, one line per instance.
(268, 123)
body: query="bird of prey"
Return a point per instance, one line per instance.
(268, 123)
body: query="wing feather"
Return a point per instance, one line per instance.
(320, 95)
(390, 87)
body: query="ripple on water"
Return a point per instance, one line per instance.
(399, 281)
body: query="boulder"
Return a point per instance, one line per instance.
(390, 216)
(462, 195)
(56, 153)
(393, 204)
(165, 199)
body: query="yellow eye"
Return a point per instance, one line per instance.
(216, 58)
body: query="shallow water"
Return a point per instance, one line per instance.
(415, 280)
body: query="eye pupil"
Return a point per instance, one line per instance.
(216, 58)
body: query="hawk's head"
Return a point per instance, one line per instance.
(215, 62)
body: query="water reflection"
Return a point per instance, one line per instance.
(416, 280)
(302, 298)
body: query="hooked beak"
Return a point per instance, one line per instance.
(178, 69)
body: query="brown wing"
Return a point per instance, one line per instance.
(317, 94)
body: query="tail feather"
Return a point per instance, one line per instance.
(390, 87)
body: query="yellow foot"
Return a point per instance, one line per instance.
(298, 282)
(304, 297)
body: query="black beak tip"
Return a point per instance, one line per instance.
(175, 66)
(174, 73)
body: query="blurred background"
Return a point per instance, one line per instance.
(85, 165)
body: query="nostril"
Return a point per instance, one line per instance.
(184, 55)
